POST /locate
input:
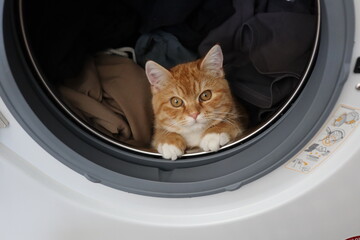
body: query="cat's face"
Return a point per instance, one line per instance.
(191, 96)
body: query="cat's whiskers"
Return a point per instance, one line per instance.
(229, 113)
(227, 120)
(218, 116)
(180, 123)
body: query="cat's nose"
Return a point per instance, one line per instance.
(194, 115)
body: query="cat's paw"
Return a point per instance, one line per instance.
(169, 151)
(212, 142)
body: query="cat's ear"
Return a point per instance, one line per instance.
(156, 74)
(213, 61)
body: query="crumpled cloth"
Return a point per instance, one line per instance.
(267, 46)
(163, 48)
(112, 94)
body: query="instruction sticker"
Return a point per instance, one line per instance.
(337, 129)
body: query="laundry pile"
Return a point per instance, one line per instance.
(266, 44)
(113, 95)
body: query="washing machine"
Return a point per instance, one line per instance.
(295, 178)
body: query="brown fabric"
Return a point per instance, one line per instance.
(113, 95)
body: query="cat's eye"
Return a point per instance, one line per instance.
(176, 102)
(205, 96)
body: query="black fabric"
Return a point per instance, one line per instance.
(279, 42)
(189, 21)
(228, 33)
(208, 16)
(266, 91)
(163, 48)
(294, 6)
(65, 33)
(267, 45)
(155, 14)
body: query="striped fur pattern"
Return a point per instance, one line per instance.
(193, 106)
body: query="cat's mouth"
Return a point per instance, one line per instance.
(197, 125)
(199, 120)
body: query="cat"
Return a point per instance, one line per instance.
(193, 106)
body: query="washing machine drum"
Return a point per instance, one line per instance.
(29, 94)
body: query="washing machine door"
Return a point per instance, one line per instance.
(31, 100)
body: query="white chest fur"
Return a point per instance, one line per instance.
(193, 138)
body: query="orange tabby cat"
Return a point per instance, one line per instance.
(193, 106)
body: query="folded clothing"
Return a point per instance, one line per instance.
(113, 95)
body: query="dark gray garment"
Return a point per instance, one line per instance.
(155, 14)
(209, 15)
(228, 33)
(266, 48)
(266, 91)
(190, 21)
(279, 42)
(295, 6)
(163, 48)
